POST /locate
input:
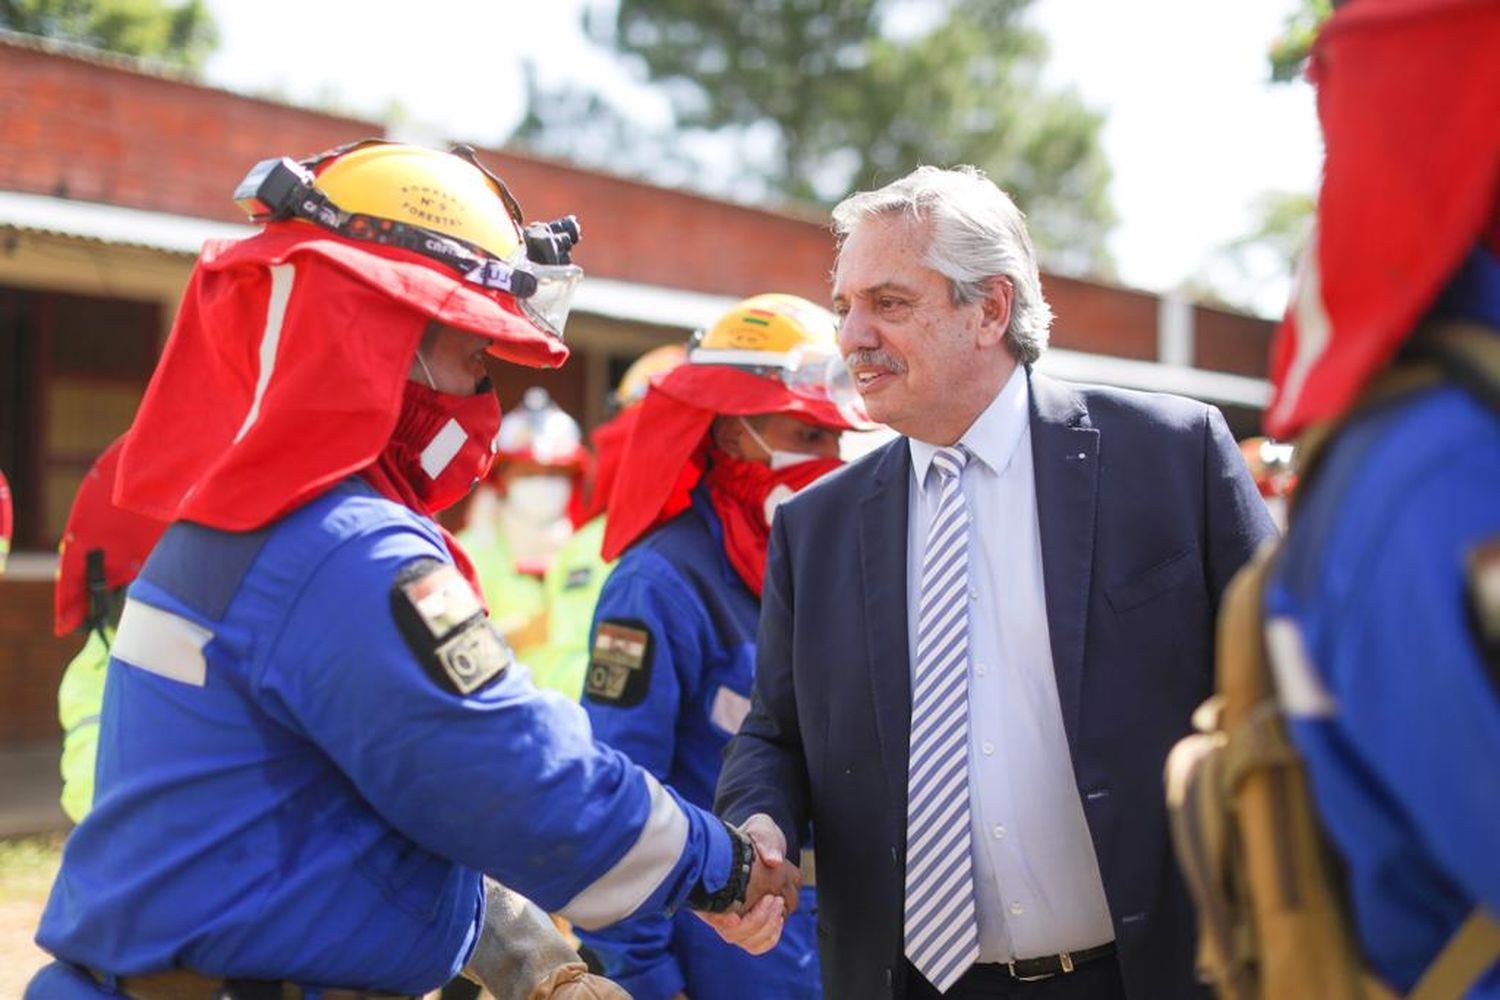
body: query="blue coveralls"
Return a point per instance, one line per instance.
(303, 800)
(1391, 702)
(678, 586)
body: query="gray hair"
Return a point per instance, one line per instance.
(977, 234)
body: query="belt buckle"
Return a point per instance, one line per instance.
(1026, 979)
(1064, 959)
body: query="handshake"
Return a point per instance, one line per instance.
(755, 924)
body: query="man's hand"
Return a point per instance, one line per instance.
(771, 873)
(756, 930)
(771, 895)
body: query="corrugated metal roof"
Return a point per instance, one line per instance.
(111, 224)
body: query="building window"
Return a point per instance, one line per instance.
(72, 372)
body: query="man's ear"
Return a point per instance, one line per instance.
(994, 310)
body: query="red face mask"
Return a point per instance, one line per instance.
(745, 495)
(442, 445)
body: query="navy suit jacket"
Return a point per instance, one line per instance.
(1146, 510)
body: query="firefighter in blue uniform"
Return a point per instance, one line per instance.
(750, 418)
(315, 746)
(1383, 609)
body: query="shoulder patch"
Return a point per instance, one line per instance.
(620, 662)
(442, 621)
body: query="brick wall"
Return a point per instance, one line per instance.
(1231, 342)
(31, 662)
(1101, 319)
(95, 131)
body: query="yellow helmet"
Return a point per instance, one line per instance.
(424, 187)
(767, 331)
(637, 378)
(786, 341)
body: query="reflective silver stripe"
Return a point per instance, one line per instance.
(161, 642)
(270, 338)
(620, 891)
(1298, 686)
(441, 449)
(729, 710)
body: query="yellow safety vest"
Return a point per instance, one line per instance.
(79, 698)
(572, 585)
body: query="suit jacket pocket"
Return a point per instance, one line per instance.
(1156, 580)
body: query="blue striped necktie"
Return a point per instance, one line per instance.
(942, 938)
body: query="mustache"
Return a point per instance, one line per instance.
(874, 358)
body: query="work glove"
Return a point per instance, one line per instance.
(521, 955)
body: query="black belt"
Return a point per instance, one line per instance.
(1029, 969)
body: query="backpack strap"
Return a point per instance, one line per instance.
(1472, 949)
(1467, 352)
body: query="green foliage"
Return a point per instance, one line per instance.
(183, 34)
(1289, 53)
(1242, 271)
(826, 96)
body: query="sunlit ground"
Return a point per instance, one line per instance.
(27, 866)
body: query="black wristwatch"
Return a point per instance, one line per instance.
(733, 891)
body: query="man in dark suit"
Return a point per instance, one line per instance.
(978, 643)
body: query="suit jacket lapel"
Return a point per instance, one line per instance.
(1065, 454)
(883, 517)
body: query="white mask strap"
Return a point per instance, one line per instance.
(426, 371)
(770, 452)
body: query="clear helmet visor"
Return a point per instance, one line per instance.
(549, 305)
(821, 375)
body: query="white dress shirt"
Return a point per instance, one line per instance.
(1036, 879)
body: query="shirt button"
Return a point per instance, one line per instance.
(979, 670)
(988, 748)
(999, 832)
(1017, 909)
(973, 593)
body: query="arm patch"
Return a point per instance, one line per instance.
(443, 623)
(620, 663)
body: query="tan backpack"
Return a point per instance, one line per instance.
(1273, 920)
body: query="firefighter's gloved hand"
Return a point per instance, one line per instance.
(521, 955)
(576, 982)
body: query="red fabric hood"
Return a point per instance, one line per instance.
(94, 522)
(664, 456)
(284, 372)
(1409, 98)
(609, 440)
